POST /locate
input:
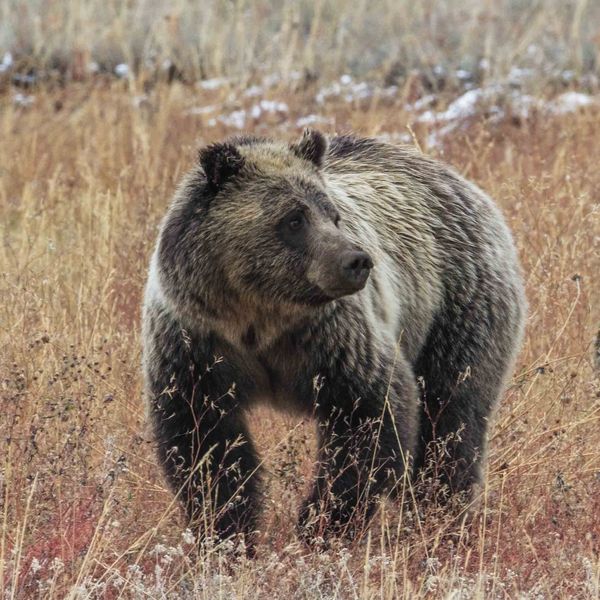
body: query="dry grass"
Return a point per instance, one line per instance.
(85, 174)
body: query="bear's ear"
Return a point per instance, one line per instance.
(220, 163)
(311, 146)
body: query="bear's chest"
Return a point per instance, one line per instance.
(279, 371)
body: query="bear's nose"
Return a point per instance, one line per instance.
(356, 266)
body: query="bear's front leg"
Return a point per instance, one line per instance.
(210, 461)
(367, 425)
(196, 398)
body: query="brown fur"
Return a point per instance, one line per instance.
(443, 304)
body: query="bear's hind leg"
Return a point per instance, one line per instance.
(451, 450)
(462, 372)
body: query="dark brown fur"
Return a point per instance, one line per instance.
(242, 306)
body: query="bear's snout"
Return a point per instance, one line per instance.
(340, 270)
(355, 267)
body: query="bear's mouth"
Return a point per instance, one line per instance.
(314, 296)
(340, 292)
(317, 296)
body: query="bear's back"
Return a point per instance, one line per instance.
(437, 239)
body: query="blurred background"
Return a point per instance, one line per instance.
(446, 43)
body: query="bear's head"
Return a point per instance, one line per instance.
(255, 225)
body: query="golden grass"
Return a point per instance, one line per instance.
(85, 175)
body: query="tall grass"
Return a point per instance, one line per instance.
(85, 175)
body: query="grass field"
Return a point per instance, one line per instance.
(86, 171)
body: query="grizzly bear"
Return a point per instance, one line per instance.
(360, 283)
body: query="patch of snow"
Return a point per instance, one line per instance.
(326, 92)
(464, 75)
(273, 106)
(201, 110)
(212, 84)
(570, 102)
(518, 76)
(268, 106)
(395, 137)
(255, 111)
(24, 78)
(23, 100)
(188, 537)
(439, 71)
(313, 120)
(271, 80)
(495, 102)
(435, 138)
(35, 565)
(253, 91)
(522, 105)
(236, 119)
(359, 91)
(518, 104)
(428, 116)
(495, 114)
(351, 90)
(421, 103)
(122, 70)
(92, 67)
(463, 107)
(568, 75)
(7, 62)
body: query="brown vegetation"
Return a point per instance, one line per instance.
(85, 175)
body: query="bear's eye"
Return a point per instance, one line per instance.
(296, 221)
